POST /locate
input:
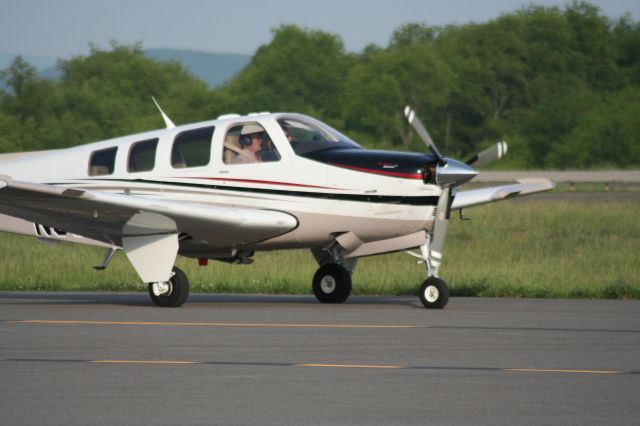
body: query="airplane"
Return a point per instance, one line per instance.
(226, 188)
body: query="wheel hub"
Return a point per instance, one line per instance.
(431, 293)
(162, 288)
(328, 284)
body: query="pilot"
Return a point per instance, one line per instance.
(251, 141)
(287, 132)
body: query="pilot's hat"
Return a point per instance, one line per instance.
(249, 129)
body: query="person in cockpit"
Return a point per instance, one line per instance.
(251, 142)
(287, 132)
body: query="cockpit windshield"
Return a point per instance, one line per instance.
(307, 135)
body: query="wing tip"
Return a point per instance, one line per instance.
(542, 182)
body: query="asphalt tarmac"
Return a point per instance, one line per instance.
(98, 358)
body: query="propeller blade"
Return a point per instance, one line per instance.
(423, 133)
(489, 155)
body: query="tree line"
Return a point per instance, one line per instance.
(562, 86)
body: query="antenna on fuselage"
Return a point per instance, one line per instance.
(165, 117)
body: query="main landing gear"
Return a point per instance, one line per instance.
(172, 293)
(332, 283)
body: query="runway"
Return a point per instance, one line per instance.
(101, 358)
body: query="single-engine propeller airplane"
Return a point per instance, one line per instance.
(226, 188)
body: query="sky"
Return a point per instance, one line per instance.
(64, 28)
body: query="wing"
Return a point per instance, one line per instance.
(146, 228)
(109, 217)
(475, 197)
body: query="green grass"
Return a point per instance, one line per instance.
(530, 248)
(547, 249)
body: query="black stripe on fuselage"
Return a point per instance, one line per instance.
(367, 198)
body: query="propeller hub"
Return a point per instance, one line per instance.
(454, 173)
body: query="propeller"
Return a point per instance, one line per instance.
(449, 174)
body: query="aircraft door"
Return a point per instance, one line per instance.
(250, 154)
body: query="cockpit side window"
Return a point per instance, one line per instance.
(306, 136)
(248, 143)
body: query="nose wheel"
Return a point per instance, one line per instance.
(172, 293)
(434, 293)
(332, 283)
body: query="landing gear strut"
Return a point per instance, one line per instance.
(434, 292)
(172, 293)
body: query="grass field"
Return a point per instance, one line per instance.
(524, 248)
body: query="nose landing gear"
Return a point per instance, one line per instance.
(434, 293)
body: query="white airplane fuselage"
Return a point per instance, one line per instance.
(326, 199)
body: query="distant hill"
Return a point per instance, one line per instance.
(213, 68)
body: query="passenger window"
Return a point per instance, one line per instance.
(192, 148)
(102, 162)
(142, 156)
(249, 143)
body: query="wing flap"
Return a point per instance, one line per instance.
(476, 197)
(109, 217)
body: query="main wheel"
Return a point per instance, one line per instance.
(434, 293)
(172, 293)
(332, 283)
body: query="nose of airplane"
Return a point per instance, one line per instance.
(454, 173)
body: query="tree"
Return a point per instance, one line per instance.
(412, 33)
(105, 94)
(627, 47)
(607, 135)
(300, 70)
(113, 89)
(594, 58)
(409, 72)
(27, 91)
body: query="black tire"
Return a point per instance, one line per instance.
(177, 293)
(332, 283)
(434, 293)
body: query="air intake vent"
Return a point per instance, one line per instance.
(48, 231)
